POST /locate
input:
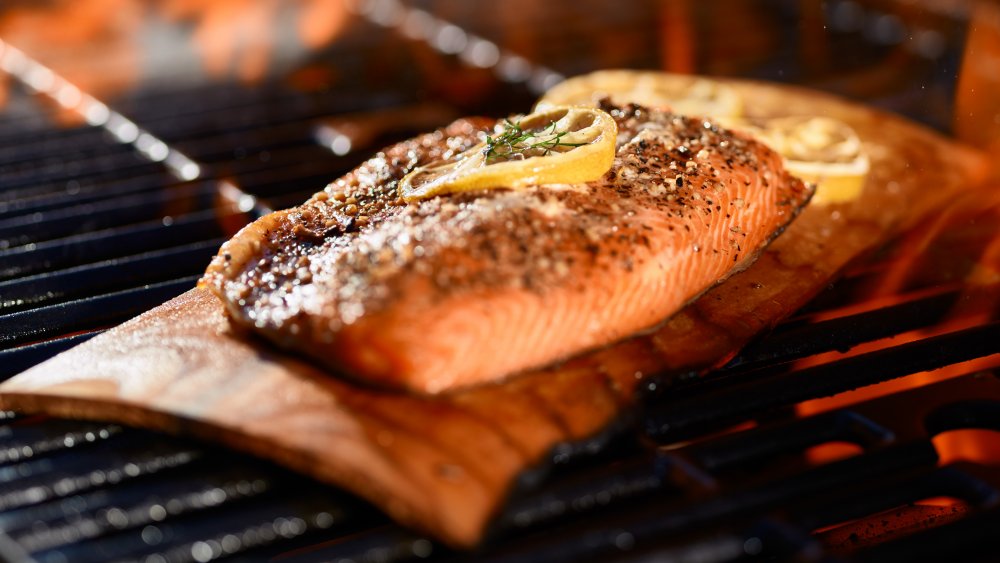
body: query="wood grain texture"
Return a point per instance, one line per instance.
(444, 464)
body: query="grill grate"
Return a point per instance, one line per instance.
(720, 468)
(739, 400)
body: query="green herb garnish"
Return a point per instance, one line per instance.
(514, 142)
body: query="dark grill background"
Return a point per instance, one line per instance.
(92, 233)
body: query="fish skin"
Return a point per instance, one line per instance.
(470, 288)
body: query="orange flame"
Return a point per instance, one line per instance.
(237, 36)
(977, 98)
(80, 41)
(101, 45)
(967, 237)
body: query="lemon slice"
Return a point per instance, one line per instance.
(560, 145)
(822, 150)
(685, 95)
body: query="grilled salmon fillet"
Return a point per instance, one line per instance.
(468, 288)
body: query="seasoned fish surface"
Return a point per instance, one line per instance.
(469, 288)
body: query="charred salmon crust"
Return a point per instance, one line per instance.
(469, 288)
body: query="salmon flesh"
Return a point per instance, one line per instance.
(469, 288)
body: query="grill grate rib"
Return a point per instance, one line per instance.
(110, 243)
(90, 312)
(102, 277)
(16, 360)
(45, 197)
(762, 393)
(109, 213)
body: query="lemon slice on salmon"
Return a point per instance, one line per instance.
(559, 145)
(689, 96)
(821, 150)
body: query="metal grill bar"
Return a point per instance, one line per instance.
(45, 142)
(16, 360)
(67, 474)
(741, 399)
(102, 277)
(87, 313)
(904, 488)
(109, 243)
(970, 539)
(99, 515)
(106, 214)
(761, 444)
(795, 341)
(595, 540)
(75, 192)
(99, 163)
(35, 131)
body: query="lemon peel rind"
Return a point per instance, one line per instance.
(471, 171)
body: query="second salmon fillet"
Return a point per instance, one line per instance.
(468, 288)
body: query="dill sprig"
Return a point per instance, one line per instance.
(514, 142)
